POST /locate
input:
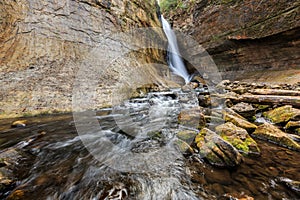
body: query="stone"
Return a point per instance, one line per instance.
(297, 131)
(199, 80)
(239, 138)
(183, 147)
(144, 89)
(5, 181)
(236, 197)
(272, 133)
(16, 195)
(282, 114)
(192, 118)
(187, 135)
(292, 124)
(292, 184)
(217, 151)
(204, 100)
(19, 123)
(244, 109)
(223, 84)
(261, 107)
(240, 122)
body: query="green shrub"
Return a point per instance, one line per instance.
(167, 5)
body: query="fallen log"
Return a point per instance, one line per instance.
(267, 99)
(275, 92)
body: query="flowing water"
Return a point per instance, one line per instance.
(175, 61)
(48, 159)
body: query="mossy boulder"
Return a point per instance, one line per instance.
(217, 151)
(282, 114)
(239, 138)
(272, 133)
(187, 135)
(239, 121)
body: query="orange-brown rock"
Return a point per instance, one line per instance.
(243, 36)
(46, 45)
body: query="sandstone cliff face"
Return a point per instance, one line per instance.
(243, 36)
(45, 44)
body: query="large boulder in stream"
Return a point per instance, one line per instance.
(238, 137)
(282, 114)
(272, 133)
(46, 45)
(217, 151)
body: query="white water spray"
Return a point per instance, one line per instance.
(174, 59)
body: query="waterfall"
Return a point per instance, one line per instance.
(174, 59)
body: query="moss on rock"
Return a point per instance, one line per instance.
(217, 151)
(272, 133)
(238, 137)
(282, 114)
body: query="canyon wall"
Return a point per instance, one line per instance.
(242, 36)
(48, 46)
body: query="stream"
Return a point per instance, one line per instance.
(50, 159)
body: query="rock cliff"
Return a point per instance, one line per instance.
(242, 36)
(45, 44)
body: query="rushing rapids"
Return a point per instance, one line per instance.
(49, 160)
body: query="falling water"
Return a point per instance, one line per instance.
(174, 59)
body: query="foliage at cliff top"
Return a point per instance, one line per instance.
(167, 5)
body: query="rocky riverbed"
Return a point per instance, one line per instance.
(187, 142)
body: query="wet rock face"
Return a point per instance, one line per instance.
(243, 35)
(45, 43)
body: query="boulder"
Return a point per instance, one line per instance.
(282, 114)
(217, 151)
(204, 100)
(244, 109)
(238, 137)
(192, 118)
(187, 135)
(183, 147)
(272, 133)
(239, 121)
